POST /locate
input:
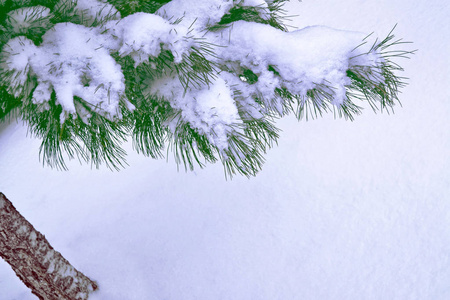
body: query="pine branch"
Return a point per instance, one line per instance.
(127, 7)
(96, 142)
(149, 133)
(158, 124)
(365, 87)
(9, 106)
(276, 15)
(378, 85)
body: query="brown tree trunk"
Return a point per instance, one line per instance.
(36, 263)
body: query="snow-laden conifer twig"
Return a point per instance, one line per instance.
(204, 78)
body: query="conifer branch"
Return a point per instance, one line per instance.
(159, 122)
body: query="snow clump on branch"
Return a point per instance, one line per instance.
(224, 68)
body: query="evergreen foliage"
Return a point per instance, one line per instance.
(97, 138)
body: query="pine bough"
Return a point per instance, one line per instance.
(203, 78)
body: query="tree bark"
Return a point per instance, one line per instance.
(36, 263)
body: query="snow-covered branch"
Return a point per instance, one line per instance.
(222, 68)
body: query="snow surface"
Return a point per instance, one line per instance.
(341, 210)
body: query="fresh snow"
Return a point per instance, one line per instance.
(26, 17)
(212, 113)
(95, 10)
(141, 36)
(304, 58)
(341, 210)
(197, 13)
(74, 60)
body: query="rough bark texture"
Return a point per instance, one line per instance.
(36, 263)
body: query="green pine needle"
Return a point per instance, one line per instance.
(98, 140)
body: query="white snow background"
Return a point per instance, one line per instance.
(341, 210)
